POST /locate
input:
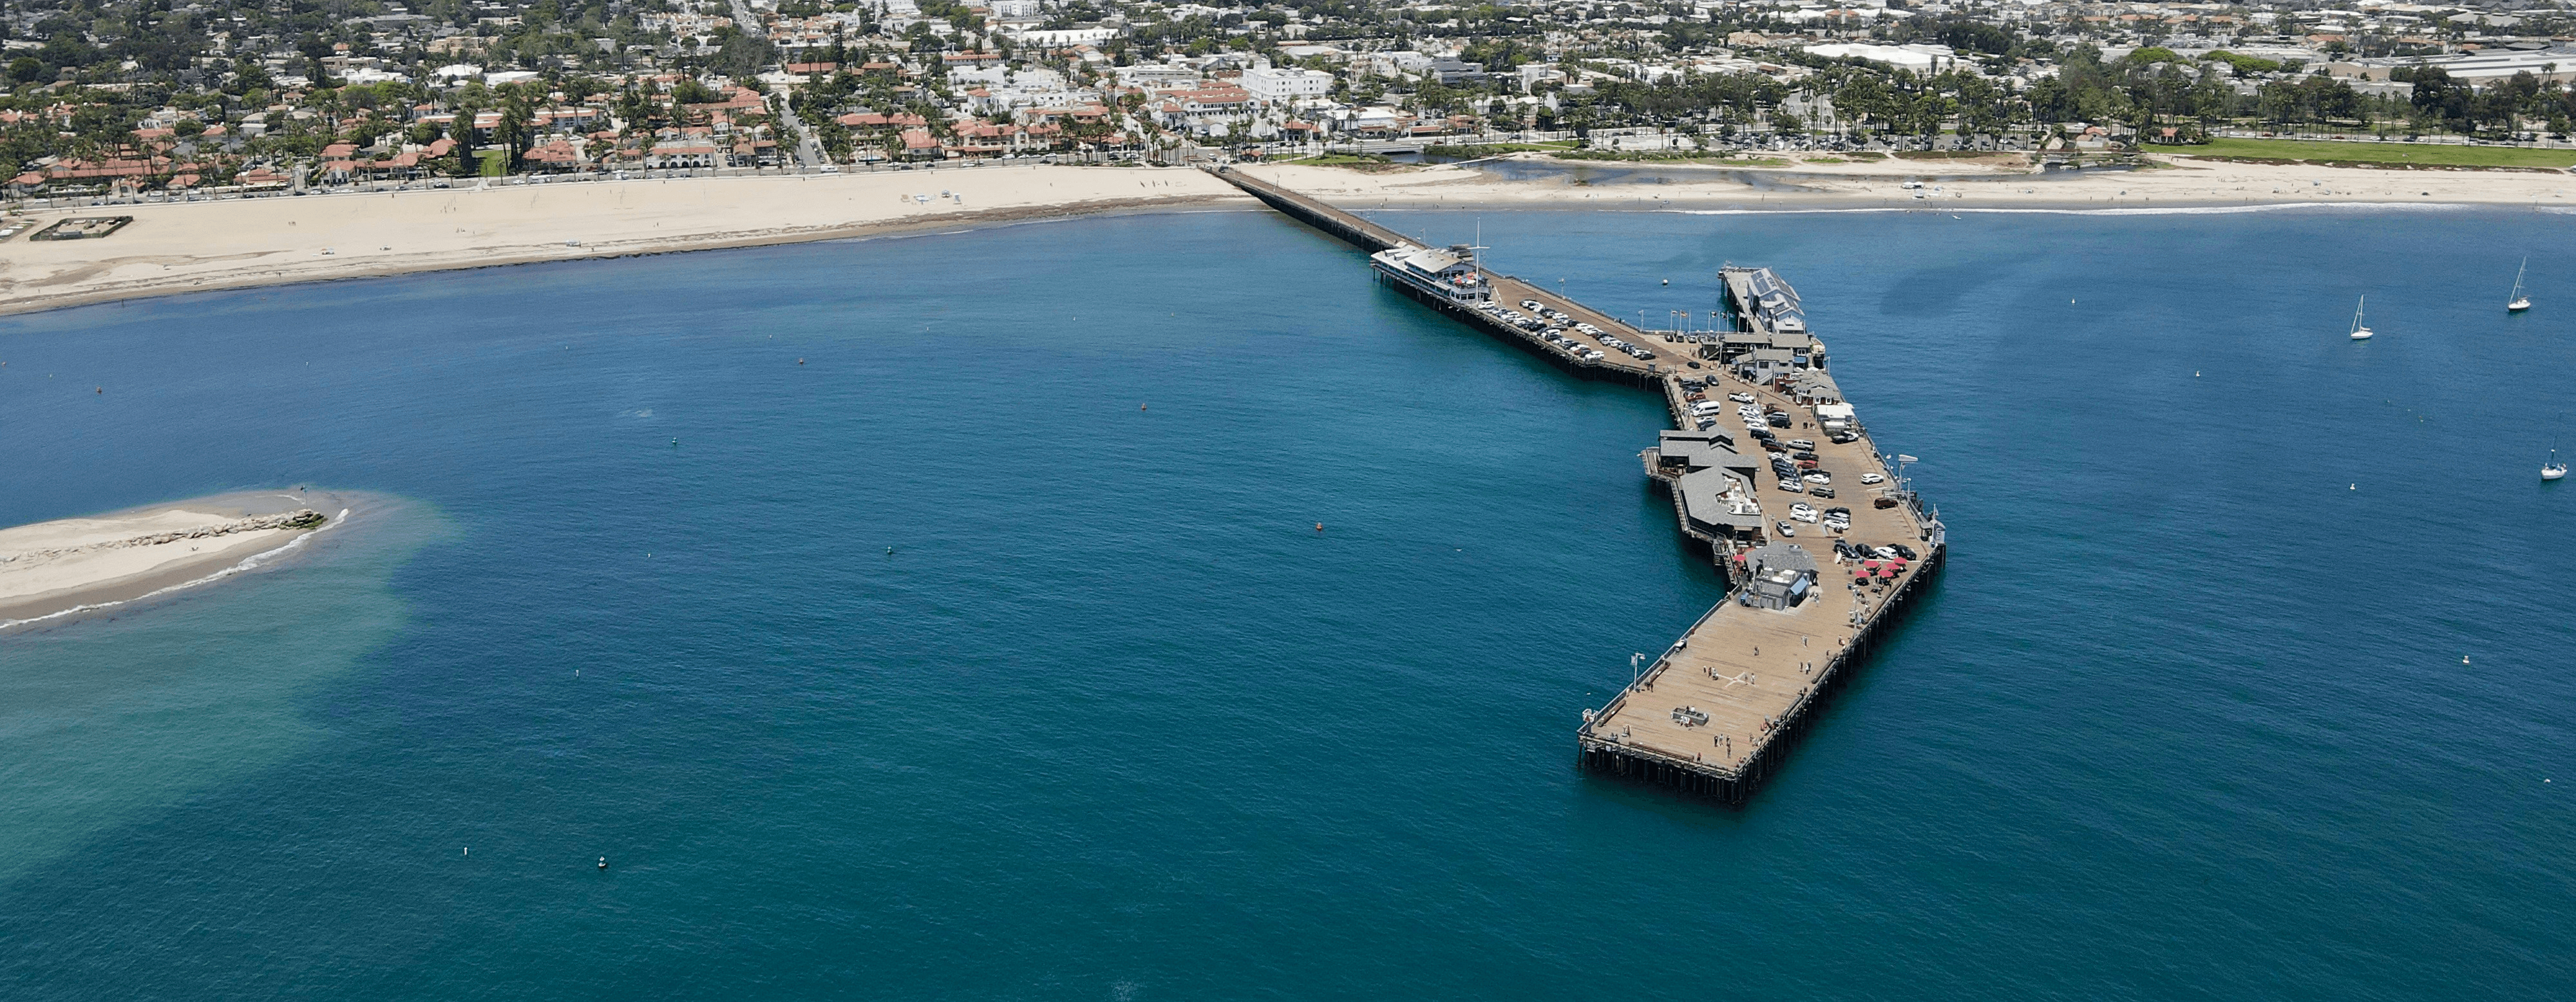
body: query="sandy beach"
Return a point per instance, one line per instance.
(48, 568)
(200, 246)
(1991, 183)
(185, 247)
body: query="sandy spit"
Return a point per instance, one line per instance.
(53, 570)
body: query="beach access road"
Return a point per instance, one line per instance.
(193, 246)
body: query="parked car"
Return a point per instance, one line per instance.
(1802, 445)
(1786, 530)
(1529, 304)
(1871, 478)
(1821, 491)
(1792, 486)
(1741, 398)
(1902, 551)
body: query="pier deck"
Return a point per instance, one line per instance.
(1755, 674)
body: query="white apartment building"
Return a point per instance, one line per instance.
(1278, 86)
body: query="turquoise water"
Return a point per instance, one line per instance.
(2186, 717)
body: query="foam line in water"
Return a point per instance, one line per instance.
(251, 562)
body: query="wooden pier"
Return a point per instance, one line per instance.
(1715, 711)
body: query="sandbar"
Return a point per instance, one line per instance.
(49, 569)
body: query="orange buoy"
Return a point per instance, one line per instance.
(1319, 527)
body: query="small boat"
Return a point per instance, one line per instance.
(2359, 332)
(2553, 469)
(2517, 302)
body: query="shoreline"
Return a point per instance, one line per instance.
(117, 571)
(178, 248)
(1954, 186)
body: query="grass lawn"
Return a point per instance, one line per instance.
(2426, 154)
(492, 163)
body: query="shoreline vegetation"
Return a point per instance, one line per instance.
(51, 570)
(229, 245)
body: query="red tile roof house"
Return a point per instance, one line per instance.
(876, 120)
(918, 145)
(689, 152)
(558, 157)
(83, 173)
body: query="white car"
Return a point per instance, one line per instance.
(1741, 398)
(1793, 487)
(1820, 477)
(1529, 304)
(1787, 530)
(1871, 478)
(1803, 512)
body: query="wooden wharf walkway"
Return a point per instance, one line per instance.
(1715, 711)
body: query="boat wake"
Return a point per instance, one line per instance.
(249, 563)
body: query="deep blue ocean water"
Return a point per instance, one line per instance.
(2186, 717)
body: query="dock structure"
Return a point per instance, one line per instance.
(1820, 539)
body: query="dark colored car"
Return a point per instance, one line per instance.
(1902, 550)
(1779, 421)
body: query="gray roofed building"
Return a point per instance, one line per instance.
(1782, 576)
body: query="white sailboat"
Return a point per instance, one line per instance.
(2359, 332)
(2553, 469)
(2517, 302)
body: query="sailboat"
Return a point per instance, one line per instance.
(2553, 469)
(2359, 332)
(2517, 302)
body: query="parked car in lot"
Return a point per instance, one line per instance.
(1792, 486)
(1529, 304)
(1903, 551)
(1779, 421)
(1871, 478)
(1741, 398)
(1818, 477)
(1821, 491)
(1802, 445)
(1786, 529)
(1803, 512)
